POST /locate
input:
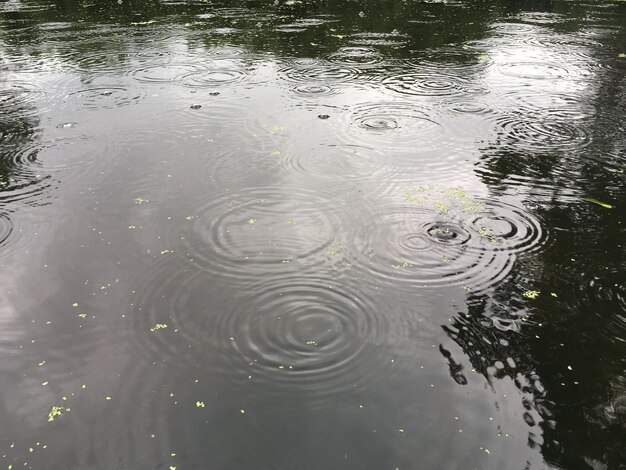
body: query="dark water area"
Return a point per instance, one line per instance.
(312, 234)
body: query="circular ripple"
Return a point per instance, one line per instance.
(312, 90)
(509, 228)
(356, 55)
(536, 133)
(17, 94)
(247, 234)
(163, 73)
(214, 77)
(338, 162)
(446, 238)
(318, 72)
(103, 97)
(469, 107)
(396, 125)
(535, 70)
(6, 227)
(411, 247)
(447, 233)
(422, 83)
(309, 333)
(24, 179)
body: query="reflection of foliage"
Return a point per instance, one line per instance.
(17, 130)
(568, 348)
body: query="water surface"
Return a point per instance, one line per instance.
(312, 235)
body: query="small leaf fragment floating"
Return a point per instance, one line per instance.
(251, 221)
(55, 412)
(292, 221)
(531, 294)
(621, 55)
(401, 266)
(441, 208)
(600, 203)
(158, 326)
(200, 404)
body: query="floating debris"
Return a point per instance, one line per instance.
(158, 326)
(401, 266)
(600, 203)
(55, 412)
(531, 294)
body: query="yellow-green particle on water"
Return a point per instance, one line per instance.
(200, 404)
(55, 412)
(158, 326)
(474, 207)
(292, 221)
(441, 208)
(251, 221)
(401, 266)
(531, 294)
(408, 197)
(600, 203)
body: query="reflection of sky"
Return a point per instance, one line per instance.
(152, 146)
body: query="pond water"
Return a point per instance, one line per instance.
(312, 234)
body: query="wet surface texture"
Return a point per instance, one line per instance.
(312, 235)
